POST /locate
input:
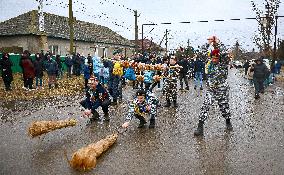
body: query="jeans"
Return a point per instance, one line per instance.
(198, 78)
(38, 80)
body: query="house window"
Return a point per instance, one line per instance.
(53, 49)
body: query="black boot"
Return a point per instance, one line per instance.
(142, 121)
(106, 116)
(229, 126)
(94, 118)
(175, 103)
(168, 104)
(114, 102)
(199, 130)
(152, 123)
(256, 96)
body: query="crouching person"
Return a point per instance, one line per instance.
(96, 96)
(142, 106)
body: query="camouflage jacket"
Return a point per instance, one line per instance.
(217, 75)
(136, 108)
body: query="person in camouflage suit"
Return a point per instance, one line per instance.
(170, 84)
(218, 90)
(142, 105)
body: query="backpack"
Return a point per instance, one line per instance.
(117, 69)
(130, 74)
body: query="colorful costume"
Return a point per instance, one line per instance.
(140, 111)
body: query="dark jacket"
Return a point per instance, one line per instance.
(260, 71)
(6, 69)
(185, 66)
(39, 67)
(198, 66)
(59, 63)
(51, 67)
(97, 96)
(68, 61)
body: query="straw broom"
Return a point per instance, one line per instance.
(85, 158)
(41, 127)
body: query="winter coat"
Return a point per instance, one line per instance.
(51, 67)
(261, 72)
(87, 71)
(185, 66)
(136, 108)
(198, 66)
(39, 67)
(97, 96)
(6, 69)
(68, 62)
(97, 65)
(59, 63)
(217, 74)
(28, 68)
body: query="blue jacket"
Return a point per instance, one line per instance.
(198, 66)
(87, 72)
(51, 67)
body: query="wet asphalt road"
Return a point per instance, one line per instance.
(255, 146)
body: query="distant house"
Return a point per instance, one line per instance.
(22, 33)
(149, 46)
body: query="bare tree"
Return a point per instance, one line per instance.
(266, 22)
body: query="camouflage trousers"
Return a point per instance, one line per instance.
(170, 89)
(221, 95)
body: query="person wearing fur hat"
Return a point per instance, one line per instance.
(96, 96)
(218, 89)
(6, 71)
(142, 105)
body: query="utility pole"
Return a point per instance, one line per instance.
(188, 43)
(167, 41)
(136, 31)
(71, 27)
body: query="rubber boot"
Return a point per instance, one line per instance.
(114, 102)
(152, 123)
(94, 118)
(106, 116)
(199, 130)
(256, 96)
(229, 126)
(142, 122)
(168, 104)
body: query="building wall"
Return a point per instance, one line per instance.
(63, 46)
(26, 42)
(34, 44)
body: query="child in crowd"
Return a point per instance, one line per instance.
(142, 105)
(170, 84)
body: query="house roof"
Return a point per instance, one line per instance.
(149, 45)
(57, 26)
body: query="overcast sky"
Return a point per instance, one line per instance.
(109, 12)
